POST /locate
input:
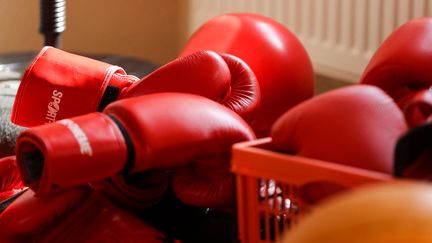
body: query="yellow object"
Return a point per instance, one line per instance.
(391, 212)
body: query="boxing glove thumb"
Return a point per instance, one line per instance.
(223, 78)
(401, 67)
(417, 107)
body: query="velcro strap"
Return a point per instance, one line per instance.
(130, 159)
(110, 95)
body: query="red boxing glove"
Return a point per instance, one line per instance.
(78, 215)
(278, 59)
(10, 178)
(60, 85)
(158, 131)
(402, 67)
(357, 126)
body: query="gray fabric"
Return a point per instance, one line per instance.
(8, 131)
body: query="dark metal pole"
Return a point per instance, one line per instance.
(52, 21)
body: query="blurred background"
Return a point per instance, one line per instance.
(339, 35)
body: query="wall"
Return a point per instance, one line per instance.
(141, 28)
(339, 35)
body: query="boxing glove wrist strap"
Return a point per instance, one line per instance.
(110, 95)
(130, 157)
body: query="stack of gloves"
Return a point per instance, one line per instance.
(102, 147)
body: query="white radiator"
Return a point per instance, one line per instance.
(339, 35)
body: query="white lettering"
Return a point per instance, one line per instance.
(53, 106)
(79, 135)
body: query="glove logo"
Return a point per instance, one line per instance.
(54, 106)
(79, 135)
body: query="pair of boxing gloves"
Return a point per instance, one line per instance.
(385, 130)
(400, 68)
(167, 131)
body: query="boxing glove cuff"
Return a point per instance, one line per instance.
(72, 152)
(59, 85)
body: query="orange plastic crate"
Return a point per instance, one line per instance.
(268, 183)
